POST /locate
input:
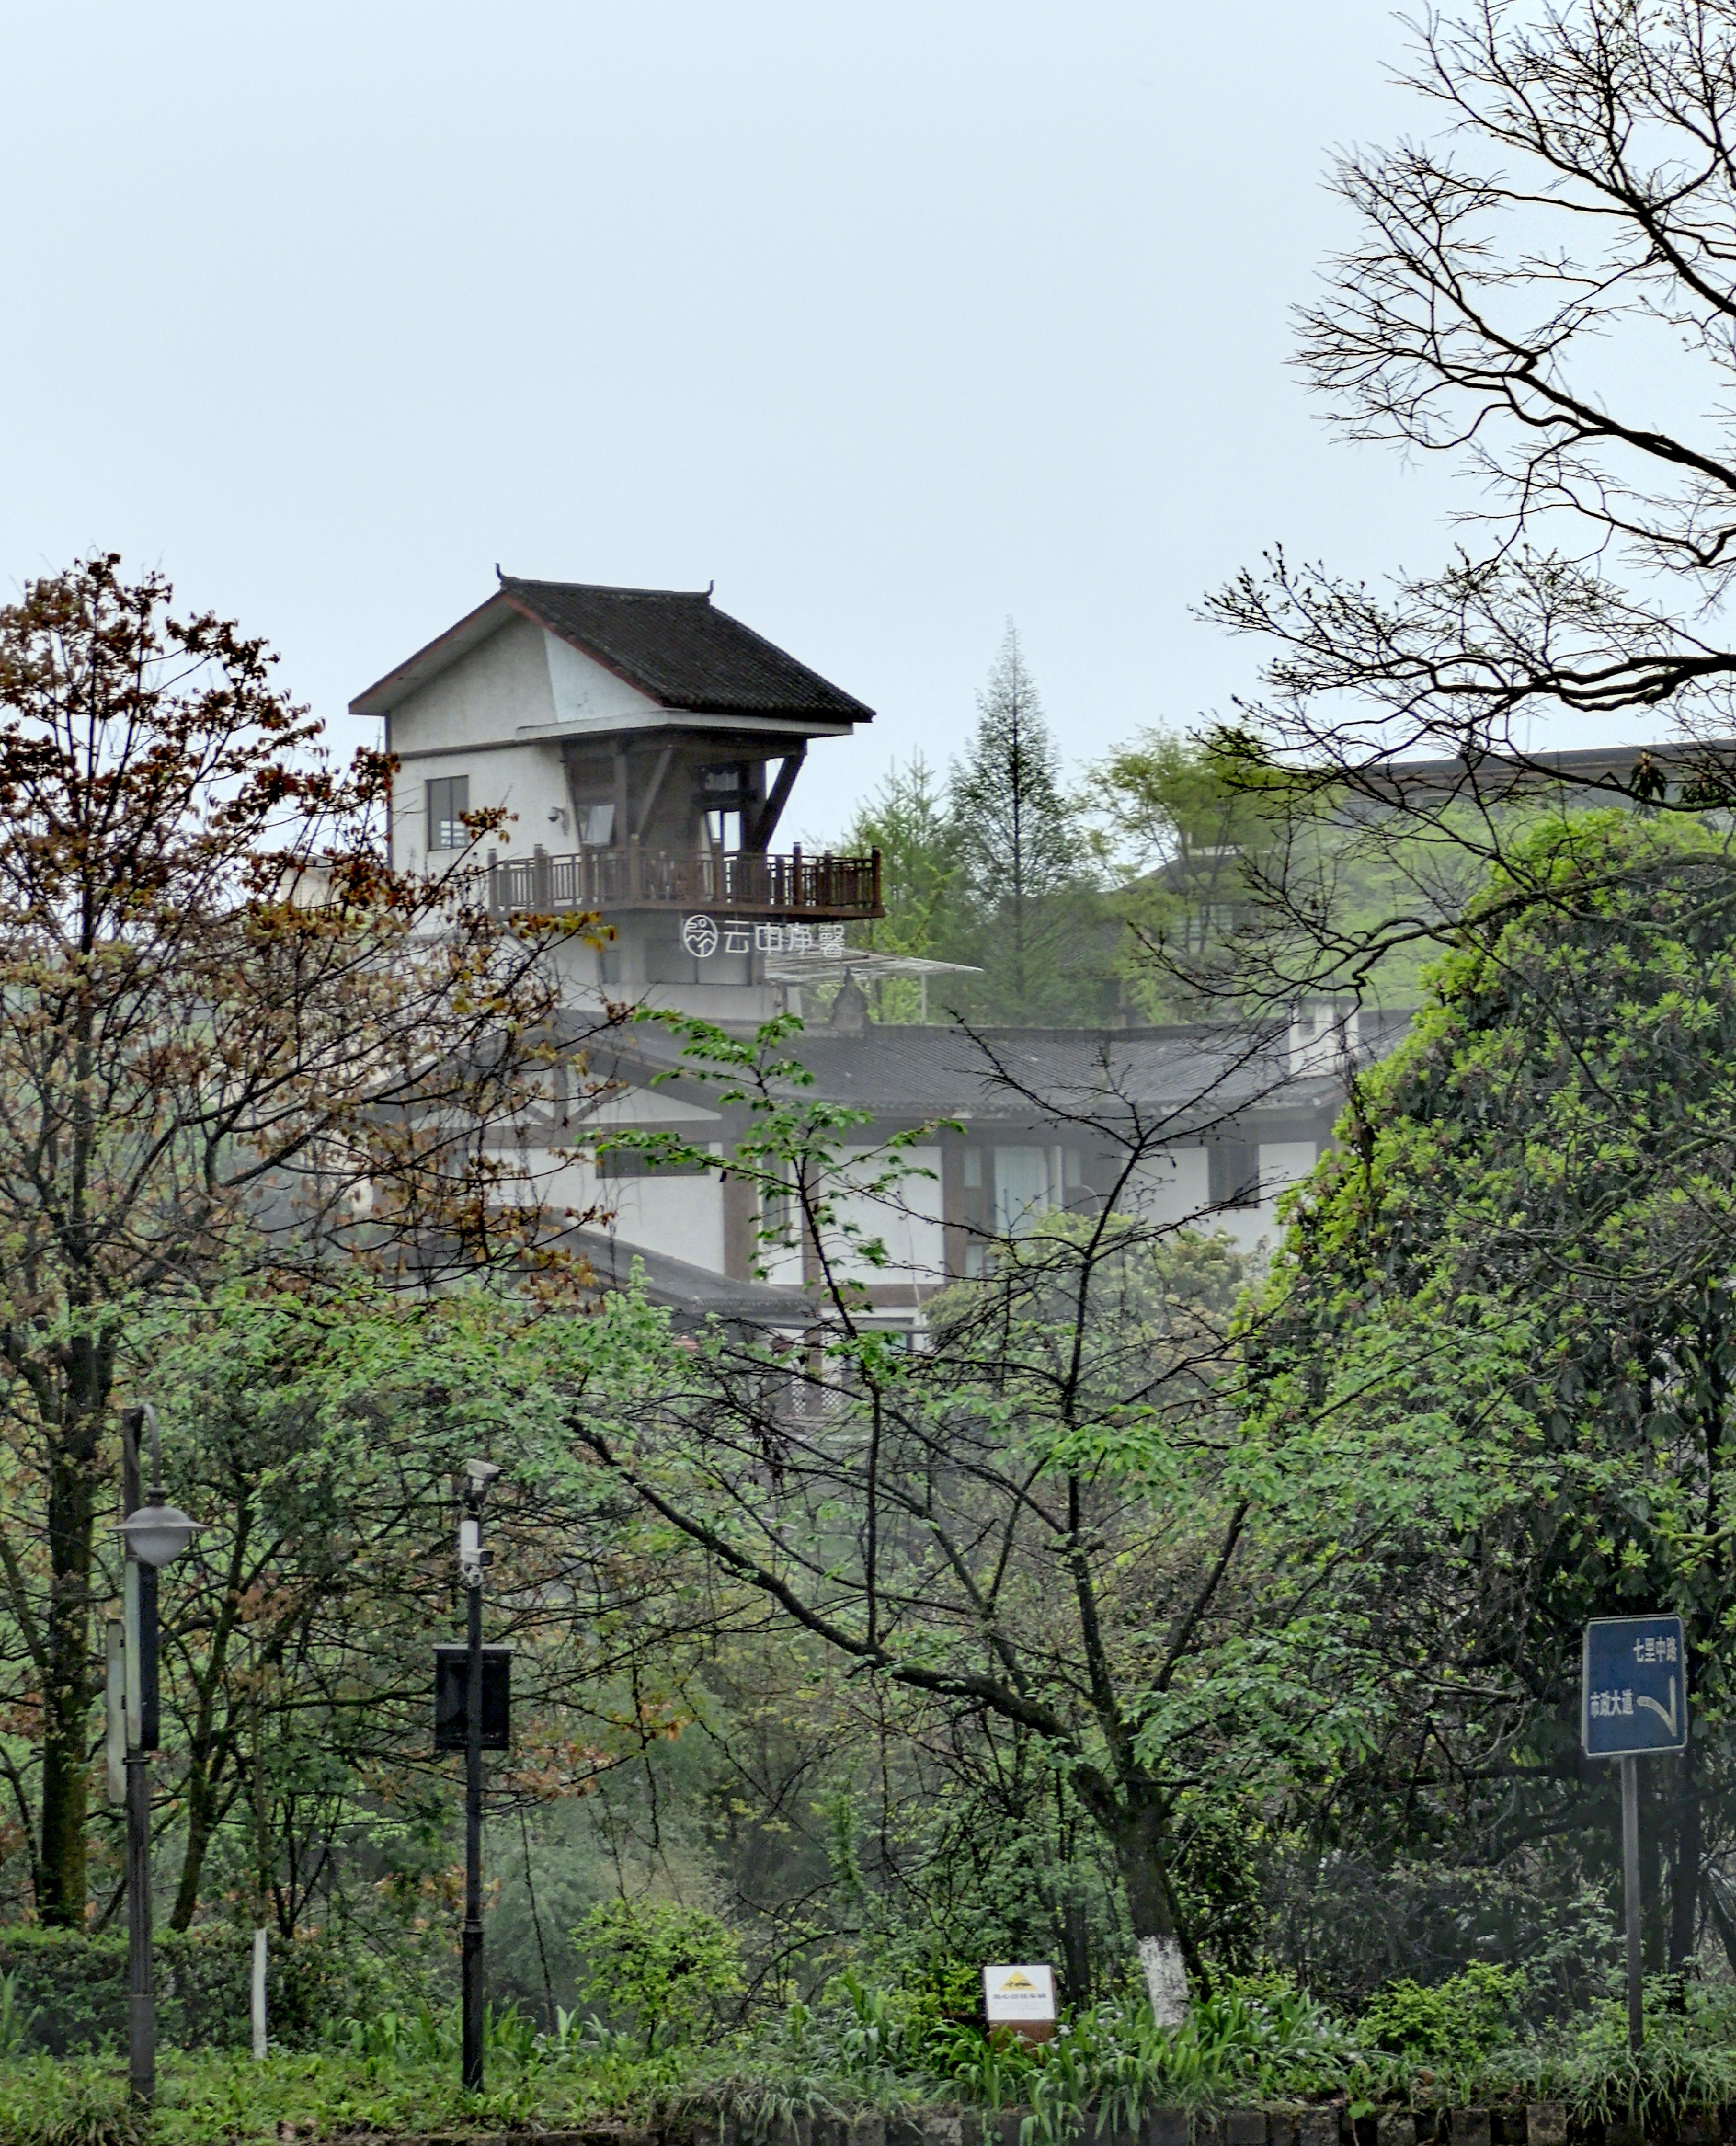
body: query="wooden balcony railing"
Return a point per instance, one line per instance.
(734, 882)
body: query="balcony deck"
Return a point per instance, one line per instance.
(785, 887)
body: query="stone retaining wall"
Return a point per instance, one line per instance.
(1535, 2123)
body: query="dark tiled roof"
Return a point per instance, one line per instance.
(692, 1293)
(1198, 1074)
(678, 646)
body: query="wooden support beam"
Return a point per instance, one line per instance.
(650, 804)
(771, 811)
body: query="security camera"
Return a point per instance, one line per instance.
(478, 1476)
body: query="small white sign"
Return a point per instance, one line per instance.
(1012, 1995)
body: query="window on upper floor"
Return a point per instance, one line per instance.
(448, 801)
(1233, 1173)
(596, 824)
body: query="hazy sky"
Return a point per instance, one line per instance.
(894, 319)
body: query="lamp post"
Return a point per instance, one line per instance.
(473, 1561)
(155, 1534)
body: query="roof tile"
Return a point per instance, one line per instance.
(677, 645)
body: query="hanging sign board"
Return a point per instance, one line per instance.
(451, 1691)
(1633, 1686)
(1022, 1998)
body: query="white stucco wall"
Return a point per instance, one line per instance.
(1282, 1164)
(528, 781)
(908, 1223)
(1173, 1186)
(488, 695)
(493, 717)
(1256, 1230)
(582, 694)
(680, 1217)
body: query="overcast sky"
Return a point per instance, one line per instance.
(895, 319)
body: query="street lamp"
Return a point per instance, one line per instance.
(154, 1533)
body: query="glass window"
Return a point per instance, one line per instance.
(1021, 1189)
(636, 1162)
(1233, 1173)
(777, 1209)
(448, 801)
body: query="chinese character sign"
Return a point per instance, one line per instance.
(703, 936)
(1634, 1674)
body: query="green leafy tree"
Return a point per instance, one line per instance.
(1517, 1270)
(1027, 1524)
(670, 1966)
(316, 1432)
(907, 821)
(1186, 830)
(223, 1020)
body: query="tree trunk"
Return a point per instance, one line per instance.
(202, 1816)
(1138, 1836)
(66, 1691)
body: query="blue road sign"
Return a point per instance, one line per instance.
(1633, 1686)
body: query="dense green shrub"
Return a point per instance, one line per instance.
(1456, 2021)
(664, 1965)
(67, 1989)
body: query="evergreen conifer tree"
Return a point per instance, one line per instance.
(1018, 841)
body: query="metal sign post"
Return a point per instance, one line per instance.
(472, 1562)
(154, 1534)
(1633, 1699)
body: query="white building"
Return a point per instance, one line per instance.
(643, 745)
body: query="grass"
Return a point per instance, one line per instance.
(207, 2098)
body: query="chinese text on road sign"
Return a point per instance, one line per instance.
(1633, 1686)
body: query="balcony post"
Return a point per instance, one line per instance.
(796, 900)
(539, 901)
(494, 883)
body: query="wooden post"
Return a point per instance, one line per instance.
(261, 1953)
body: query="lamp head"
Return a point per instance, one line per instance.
(157, 1535)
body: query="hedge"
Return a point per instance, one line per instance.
(71, 1987)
